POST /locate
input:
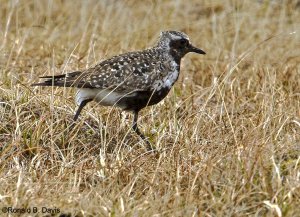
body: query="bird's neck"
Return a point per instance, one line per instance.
(169, 55)
(174, 56)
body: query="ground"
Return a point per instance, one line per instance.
(228, 134)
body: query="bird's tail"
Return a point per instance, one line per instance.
(65, 80)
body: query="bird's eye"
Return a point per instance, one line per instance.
(183, 42)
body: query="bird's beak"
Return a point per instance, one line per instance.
(196, 50)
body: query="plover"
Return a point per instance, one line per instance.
(130, 81)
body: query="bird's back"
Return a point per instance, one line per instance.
(131, 81)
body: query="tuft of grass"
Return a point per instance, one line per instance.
(228, 133)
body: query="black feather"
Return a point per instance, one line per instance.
(65, 80)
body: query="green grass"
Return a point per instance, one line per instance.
(228, 133)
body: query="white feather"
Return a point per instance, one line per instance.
(169, 80)
(84, 94)
(103, 97)
(178, 37)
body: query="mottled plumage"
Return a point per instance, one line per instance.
(132, 80)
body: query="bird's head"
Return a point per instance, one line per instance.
(177, 43)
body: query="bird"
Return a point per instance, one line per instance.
(130, 81)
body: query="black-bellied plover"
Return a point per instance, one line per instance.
(132, 80)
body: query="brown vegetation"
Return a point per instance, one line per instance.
(228, 134)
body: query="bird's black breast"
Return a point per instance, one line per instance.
(142, 99)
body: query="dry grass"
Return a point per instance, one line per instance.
(228, 133)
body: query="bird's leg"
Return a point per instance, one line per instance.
(136, 129)
(82, 104)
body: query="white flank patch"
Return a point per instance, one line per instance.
(83, 94)
(107, 97)
(103, 97)
(169, 80)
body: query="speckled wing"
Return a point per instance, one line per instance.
(135, 71)
(126, 73)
